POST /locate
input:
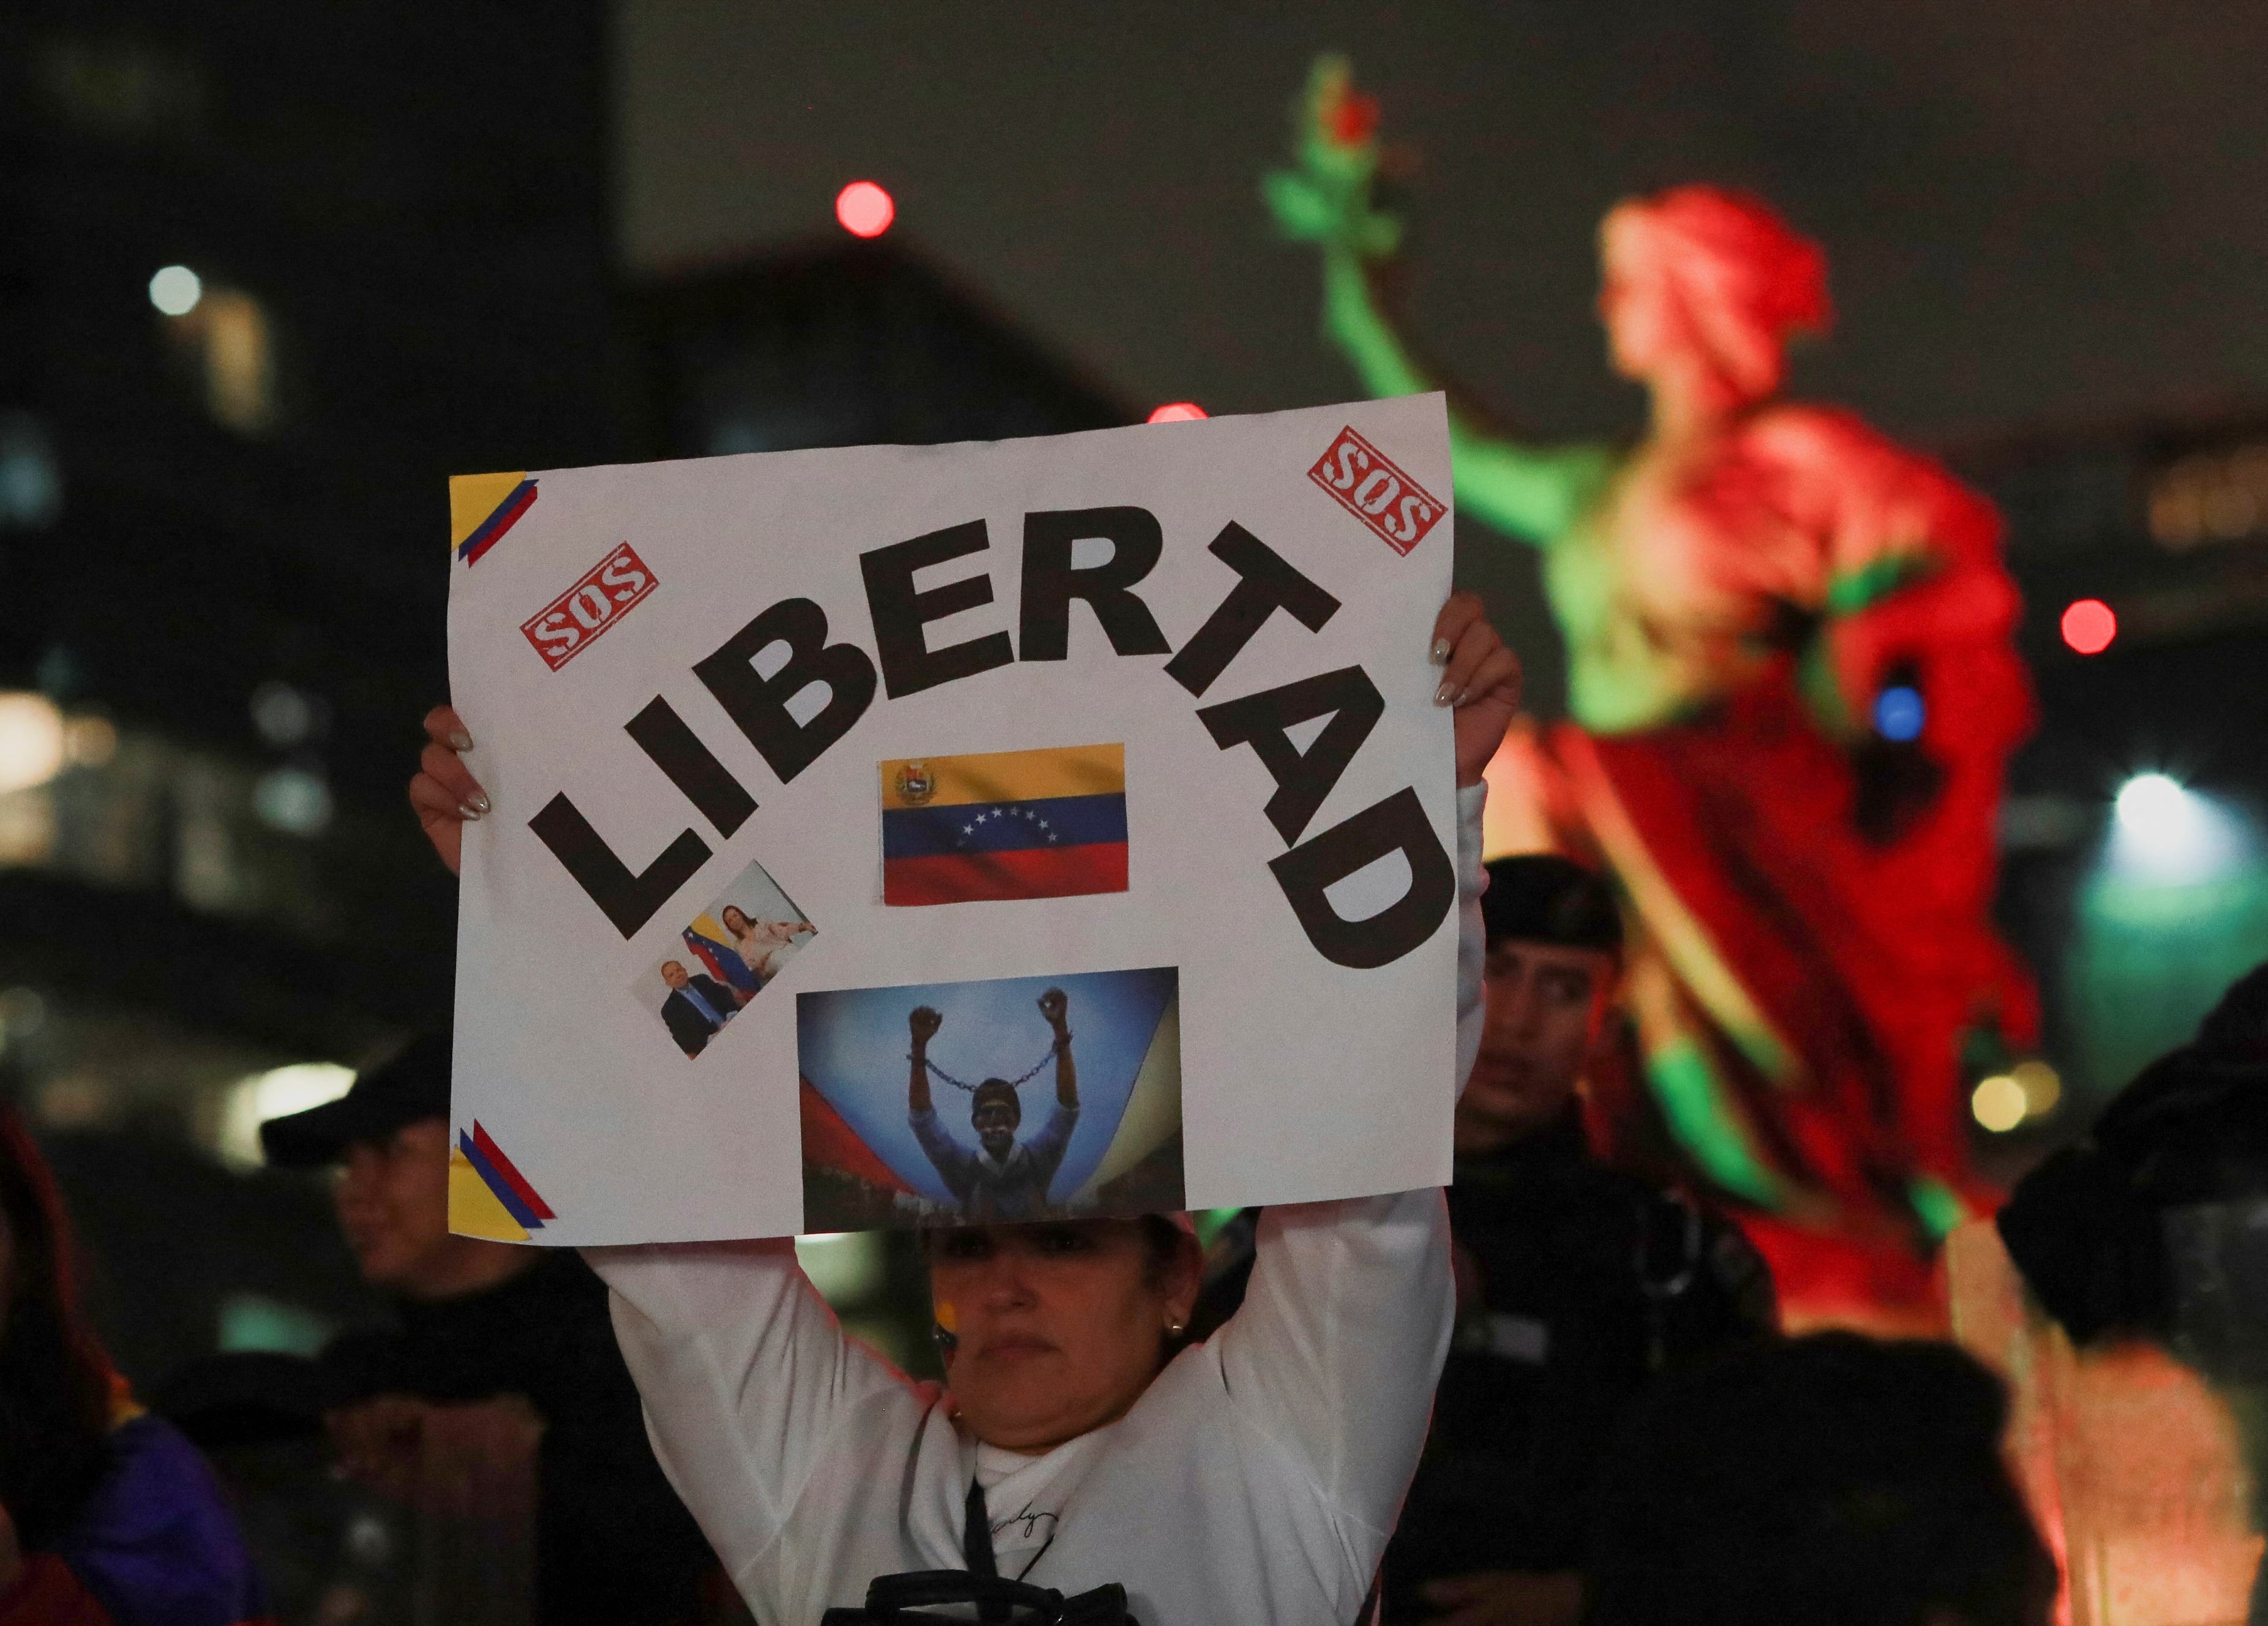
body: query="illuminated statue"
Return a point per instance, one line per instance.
(1792, 692)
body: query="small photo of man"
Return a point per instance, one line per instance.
(1018, 1099)
(729, 954)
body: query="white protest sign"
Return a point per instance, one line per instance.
(893, 834)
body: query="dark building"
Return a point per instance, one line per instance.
(2137, 898)
(269, 275)
(845, 344)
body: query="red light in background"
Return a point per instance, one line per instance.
(1177, 412)
(2088, 626)
(865, 208)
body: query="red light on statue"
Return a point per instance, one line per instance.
(1177, 412)
(865, 208)
(2088, 626)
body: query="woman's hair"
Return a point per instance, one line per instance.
(1742, 281)
(55, 1379)
(732, 909)
(1161, 1242)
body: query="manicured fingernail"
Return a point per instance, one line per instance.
(1440, 650)
(1444, 695)
(470, 812)
(479, 802)
(459, 740)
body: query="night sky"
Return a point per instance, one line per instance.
(2038, 212)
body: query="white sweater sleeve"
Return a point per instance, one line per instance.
(744, 1374)
(1334, 1351)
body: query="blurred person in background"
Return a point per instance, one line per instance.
(109, 1517)
(1828, 1480)
(504, 1365)
(1578, 1286)
(2152, 1229)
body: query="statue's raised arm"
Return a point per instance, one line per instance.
(1328, 199)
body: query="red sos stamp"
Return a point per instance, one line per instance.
(1368, 486)
(567, 626)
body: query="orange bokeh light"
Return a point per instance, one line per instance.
(1177, 412)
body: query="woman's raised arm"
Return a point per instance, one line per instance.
(1333, 1354)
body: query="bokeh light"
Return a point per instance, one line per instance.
(31, 740)
(2088, 626)
(1899, 713)
(1997, 1103)
(865, 208)
(2042, 1087)
(2165, 834)
(2152, 805)
(1177, 412)
(176, 289)
(847, 1268)
(253, 1099)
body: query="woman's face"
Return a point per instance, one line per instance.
(1639, 322)
(736, 921)
(1059, 1325)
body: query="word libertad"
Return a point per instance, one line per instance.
(1266, 583)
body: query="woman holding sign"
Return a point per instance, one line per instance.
(1252, 1478)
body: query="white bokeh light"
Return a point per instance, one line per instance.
(176, 289)
(252, 1100)
(2152, 803)
(2167, 834)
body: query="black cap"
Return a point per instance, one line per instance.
(414, 1084)
(1540, 897)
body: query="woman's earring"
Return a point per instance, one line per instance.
(1175, 1328)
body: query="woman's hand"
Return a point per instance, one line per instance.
(443, 793)
(1480, 677)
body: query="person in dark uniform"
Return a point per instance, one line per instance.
(1577, 1285)
(503, 1354)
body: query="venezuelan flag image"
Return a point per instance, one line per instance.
(1004, 826)
(710, 942)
